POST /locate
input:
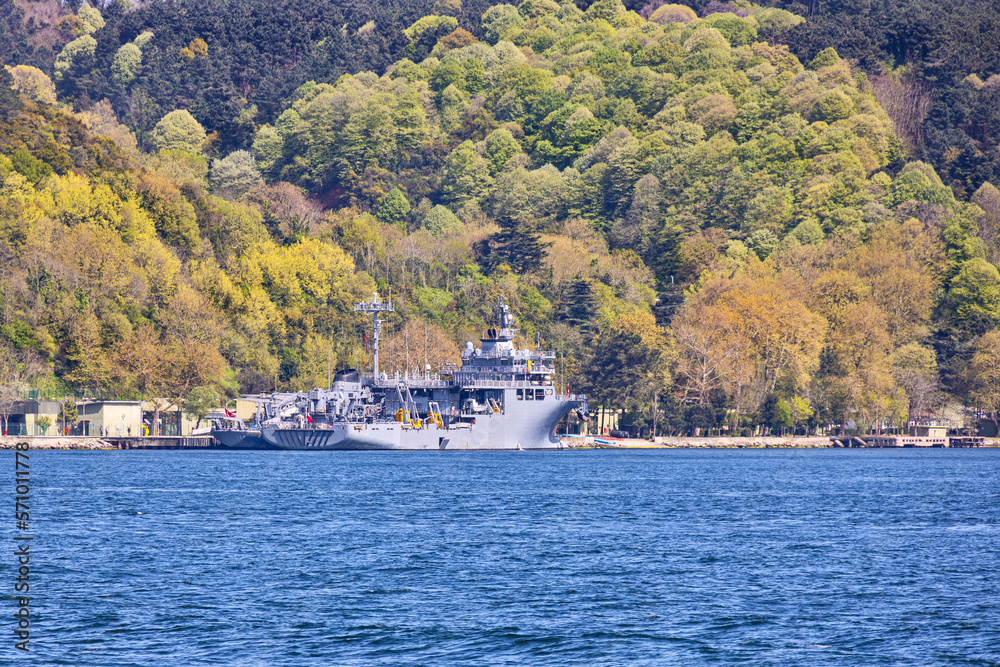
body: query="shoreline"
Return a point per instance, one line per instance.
(714, 442)
(56, 442)
(680, 442)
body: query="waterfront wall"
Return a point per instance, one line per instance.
(690, 442)
(770, 442)
(53, 442)
(760, 442)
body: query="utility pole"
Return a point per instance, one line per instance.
(562, 371)
(656, 396)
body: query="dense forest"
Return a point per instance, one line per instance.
(719, 215)
(234, 65)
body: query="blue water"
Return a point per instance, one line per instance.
(564, 558)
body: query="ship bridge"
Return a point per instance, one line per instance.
(505, 365)
(498, 363)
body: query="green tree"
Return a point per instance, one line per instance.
(498, 20)
(393, 208)
(448, 73)
(987, 197)
(500, 147)
(521, 252)
(975, 296)
(370, 137)
(268, 147)
(235, 174)
(808, 232)
(199, 402)
(917, 181)
(79, 48)
(832, 107)
(17, 370)
(777, 414)
(440, 221)
(33, 84)
(606, 9)
(629, 363)
(29, 166)
(466, 176)
(178, 130)
(68, 413)
(126, 63)
(143, 38)
(91, 19)
(983, 375)
(736, 31)
(529, 199)
(801, 411)
(447, 7)
(636, 229)
(174, 216)
(670, 14)
(825, 58)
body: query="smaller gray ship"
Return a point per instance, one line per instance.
(500, 398)
(234, 433)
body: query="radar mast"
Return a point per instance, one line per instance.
(374, 307)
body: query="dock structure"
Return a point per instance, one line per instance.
(90, 442)
(164, 442)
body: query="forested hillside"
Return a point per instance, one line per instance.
(233, 65)
(707, 229)
(935, 66)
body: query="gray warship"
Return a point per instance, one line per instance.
(499, 398)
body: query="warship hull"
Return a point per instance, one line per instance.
(241, 439)
(528, 428)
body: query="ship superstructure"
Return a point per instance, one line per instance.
(500, 398)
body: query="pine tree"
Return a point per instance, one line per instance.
(10, 101)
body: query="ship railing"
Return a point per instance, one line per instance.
(488, 383)
(493, 384)
(536, 354)
(517, 354)
(503, 375)
(513, 368)
(390, 382)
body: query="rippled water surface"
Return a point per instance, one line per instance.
(585, 558)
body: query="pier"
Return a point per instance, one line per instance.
(91, 442)
(165, 442)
